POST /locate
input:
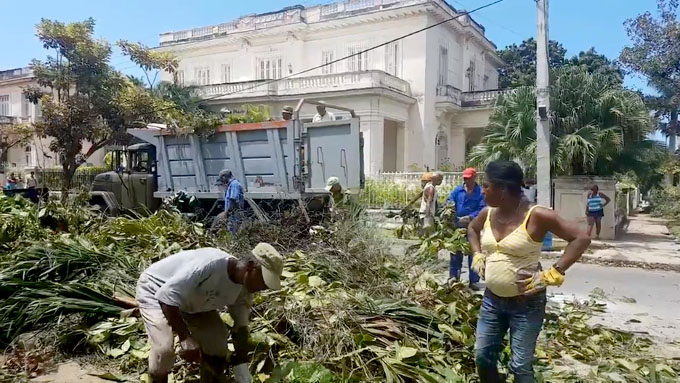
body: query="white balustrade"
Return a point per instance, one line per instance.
(355, 5)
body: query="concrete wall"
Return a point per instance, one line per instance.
(570, 201)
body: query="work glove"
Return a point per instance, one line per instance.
(241, 374)
(531, 282)
(479, 264)
(190, 350)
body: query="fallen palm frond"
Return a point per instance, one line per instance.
(29, 305)
(348, 311)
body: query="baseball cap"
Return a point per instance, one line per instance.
(271, 263)
(287, 109)
(332, 181)
(469, 173)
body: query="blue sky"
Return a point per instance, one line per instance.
(577, 24)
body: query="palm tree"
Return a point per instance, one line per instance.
(597, 127)
(185, 97)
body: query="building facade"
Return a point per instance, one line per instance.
(422, 100)
(15, 108)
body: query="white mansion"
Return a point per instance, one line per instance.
(421, 100)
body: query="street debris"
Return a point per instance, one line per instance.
(348, 311)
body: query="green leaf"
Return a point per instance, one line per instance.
(126, 346)
(140, 354)
(665, 368)
(315, 281)
(627, 364)
(115, 352)
(406, 352)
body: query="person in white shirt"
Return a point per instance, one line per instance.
(182, 294)
(322, 114)
(31, 183)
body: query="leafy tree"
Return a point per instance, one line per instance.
(81, 87)
(84, 99)
(182, 108)
(185, 97)
(150, 61)
(597, 127)
(600, 64)
(655, 53)
(12, 135)
(520, 62)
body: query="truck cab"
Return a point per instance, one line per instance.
(130, 184)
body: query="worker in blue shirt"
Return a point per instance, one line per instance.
(233, 200)
(469, 202)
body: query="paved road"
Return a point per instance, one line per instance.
(656, 295)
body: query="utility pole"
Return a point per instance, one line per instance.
(543, 181)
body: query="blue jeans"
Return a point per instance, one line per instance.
(456, 264)
(523, 316)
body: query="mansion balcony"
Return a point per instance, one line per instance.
(372, 81)
(452, 97)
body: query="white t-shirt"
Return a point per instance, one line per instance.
(433, 205)
(326, 117)
(195, 281)
(31, 182)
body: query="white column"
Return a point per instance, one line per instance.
(457, 140)
(373, 128)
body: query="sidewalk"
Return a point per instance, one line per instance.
(647, 243)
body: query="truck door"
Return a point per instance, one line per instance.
(333, 149)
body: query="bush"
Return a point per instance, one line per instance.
(665, 202)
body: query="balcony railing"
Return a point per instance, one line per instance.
(14, 120)
(309, 84)
(290, 15)
(451, 94)
(482, 98)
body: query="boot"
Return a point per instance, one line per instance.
(158, 378)
(213, 369)
(490, 375)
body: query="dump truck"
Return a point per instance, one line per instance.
(279, 163)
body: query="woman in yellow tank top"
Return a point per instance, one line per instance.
(506, 239)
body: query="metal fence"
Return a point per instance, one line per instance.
(396, 190)
(53, 178)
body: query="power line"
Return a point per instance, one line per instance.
(265, 83)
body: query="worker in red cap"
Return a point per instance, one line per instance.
(469, 201)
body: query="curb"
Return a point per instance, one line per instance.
(589, 259)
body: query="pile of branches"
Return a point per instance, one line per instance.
(348, 310)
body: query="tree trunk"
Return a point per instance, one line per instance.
(673, 128)
(69, 169)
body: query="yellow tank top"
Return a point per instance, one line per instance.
(514, 252)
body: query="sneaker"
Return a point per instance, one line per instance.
(476, 286)
(452, 281)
